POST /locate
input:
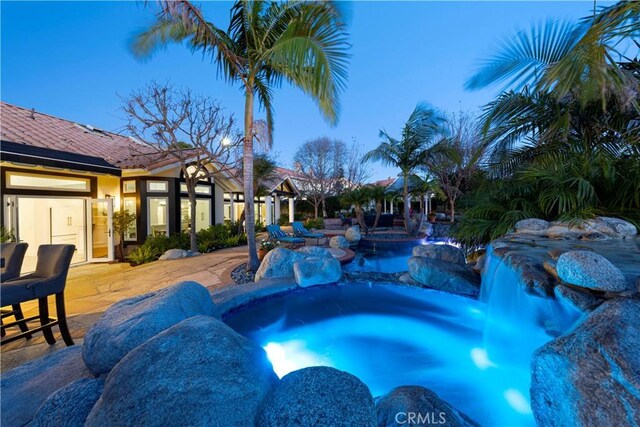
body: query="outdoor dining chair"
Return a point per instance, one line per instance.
(299, 230)
(49, 278)
(276, 233)
(12, 256)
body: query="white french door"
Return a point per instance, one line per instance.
(100, 235)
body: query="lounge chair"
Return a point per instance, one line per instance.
(300, 230)
(277, 234)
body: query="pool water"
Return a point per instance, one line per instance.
(383, 261)
(389, 335)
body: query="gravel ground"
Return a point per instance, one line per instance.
(241, 276)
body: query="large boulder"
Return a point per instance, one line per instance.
(591, 376)
(338, 242)
(131, 322)
(446, 253)
(421, 404)
(592, 271)
(319, 271)
(532, 225)
(532, 276)
(69, 406)
(318, 396)
(314, 252)
(199, 372)
(444, 276)
(172, 254)
(580, 300)
(26, 387)
(353, 235)
(614, 227)
(278, 263)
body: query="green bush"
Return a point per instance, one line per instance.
(314, 223)
(215, 237)
(6, 235)
(143, 255)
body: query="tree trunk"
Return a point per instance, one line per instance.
(192, 233)
(315, 210)
(121, 244)
(407, 215)
(240, 222)
(324, 208)
(360, 219)
(378, 213)
(247, 164)
(452, 204)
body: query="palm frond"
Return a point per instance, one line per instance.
(523, 58)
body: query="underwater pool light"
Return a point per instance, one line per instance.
(517, 401)
(290, 356)
(481, 359)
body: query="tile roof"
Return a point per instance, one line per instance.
(384, 182)
(30, 127)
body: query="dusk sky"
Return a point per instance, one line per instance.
(72, 60)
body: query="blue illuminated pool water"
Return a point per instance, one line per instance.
(384, 261)
(390, 335)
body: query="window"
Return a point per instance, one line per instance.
(191, 170)
(129, 187)
(203, 214)
(129, 205)
(157, 216)
(157, 186)
(200, 189)
(47, 182)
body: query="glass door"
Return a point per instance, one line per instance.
(100, 212)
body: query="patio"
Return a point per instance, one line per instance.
(92, 288)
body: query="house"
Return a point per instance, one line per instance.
(61, 182)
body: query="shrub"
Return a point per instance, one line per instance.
(143, 255)
(315, 223)
(6, 235)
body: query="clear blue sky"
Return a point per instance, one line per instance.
(71, 59)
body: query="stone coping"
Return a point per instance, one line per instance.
(236, 296)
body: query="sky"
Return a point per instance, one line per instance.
(72, 60)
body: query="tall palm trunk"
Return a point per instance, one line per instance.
(378, 213)
(360, 218)
(452, 204)
(407, 216)
(247, 163)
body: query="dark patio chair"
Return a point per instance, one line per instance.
(49, 278)
(12, 255)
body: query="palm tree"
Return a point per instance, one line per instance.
(377, 193)
(407, 153)
(357, 198)
(565, 58)
(303, 43)
(264, 172)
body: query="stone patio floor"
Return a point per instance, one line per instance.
(92, 288)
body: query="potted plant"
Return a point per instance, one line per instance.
(432, 216)
(122, 221)
(265, 247)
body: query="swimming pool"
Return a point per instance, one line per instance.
(383, 261)
(390, 335)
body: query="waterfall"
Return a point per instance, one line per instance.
(517, 323)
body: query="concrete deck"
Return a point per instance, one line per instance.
(92, 288)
